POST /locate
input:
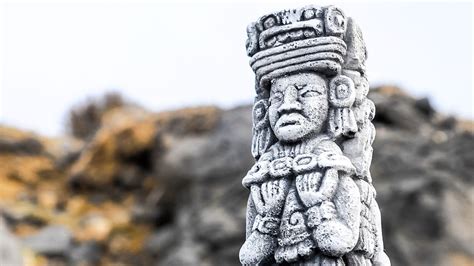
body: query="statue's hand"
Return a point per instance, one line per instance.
(320, 213)
(273, 194)
(328, 210)
(308, 188)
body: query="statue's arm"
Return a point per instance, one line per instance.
(335, 219)
(254, 178)
(329, 184)
(339, 235)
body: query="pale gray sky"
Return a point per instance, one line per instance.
(172, 55)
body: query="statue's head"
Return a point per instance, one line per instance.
(298, 106)
(310, 79)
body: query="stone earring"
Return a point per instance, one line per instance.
(341, 98)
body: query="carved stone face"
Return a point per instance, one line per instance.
(298, 106)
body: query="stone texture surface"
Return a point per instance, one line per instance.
(422, 173)
(10, 247)
(52, 240)
(311, 200)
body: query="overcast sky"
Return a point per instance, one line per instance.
(53, 56)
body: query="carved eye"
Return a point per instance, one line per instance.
(310, 93)
(269, 22)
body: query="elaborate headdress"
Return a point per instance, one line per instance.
(317, 39)
(309, 39)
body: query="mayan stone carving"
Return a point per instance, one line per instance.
(311, 196)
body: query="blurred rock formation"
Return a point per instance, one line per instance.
(134, 187)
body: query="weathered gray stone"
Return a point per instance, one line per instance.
(10, 247)
(52, 240)
(88, 253)
(161, 240)
(311, 195)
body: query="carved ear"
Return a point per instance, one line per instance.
(341, 99)
(262, 134)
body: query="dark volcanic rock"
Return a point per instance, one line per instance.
(209, 201)
(421, 169)
(423, 176)
(88, 253)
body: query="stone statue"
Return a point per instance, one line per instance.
(311, 196)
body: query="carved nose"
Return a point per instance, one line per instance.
(290, 101)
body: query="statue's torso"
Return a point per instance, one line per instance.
(294, 238)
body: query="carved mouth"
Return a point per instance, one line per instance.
(293, 119)
(289, 123)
